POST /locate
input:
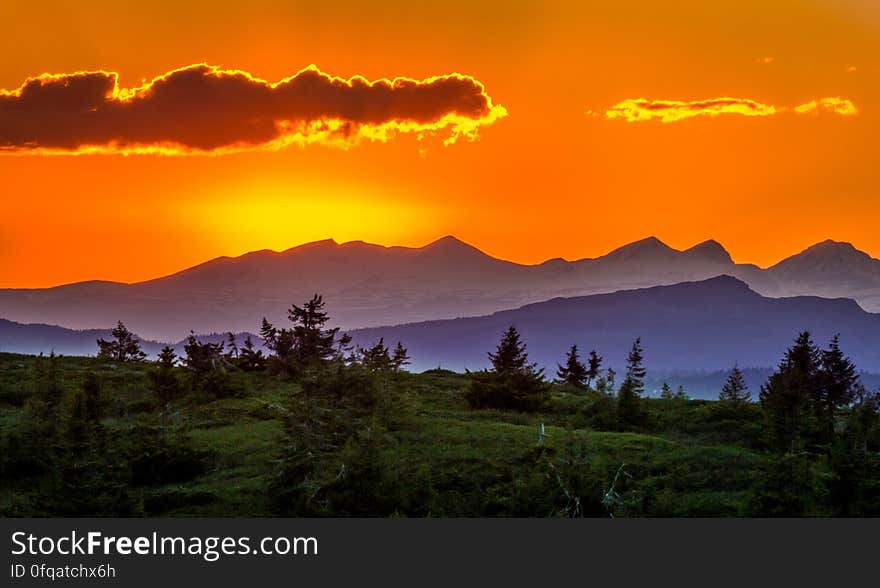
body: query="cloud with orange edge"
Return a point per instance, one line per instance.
(668, 111)
(203, 109)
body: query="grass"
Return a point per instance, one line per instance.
(467, 461)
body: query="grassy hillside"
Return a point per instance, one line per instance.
(440, 457)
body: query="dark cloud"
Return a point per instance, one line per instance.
(201, 108)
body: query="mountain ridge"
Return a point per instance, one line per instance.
(369, 285)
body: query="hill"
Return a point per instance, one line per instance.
(369, 285)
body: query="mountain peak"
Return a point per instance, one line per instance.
(712, 250)
(644, 248)
(831, 246)
(451, 245)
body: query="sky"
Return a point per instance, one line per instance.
(531, 130)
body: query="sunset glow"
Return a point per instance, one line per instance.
(168, 134)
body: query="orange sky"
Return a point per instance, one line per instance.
(556, 177)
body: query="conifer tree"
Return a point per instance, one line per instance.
(400, 357)
(788, 396)
(629, 397)
(251, 359)
(735, 389)
(164, 381)
(839, 384)
(510, 356)
(124, 346)
(231, 346)
(573, 372)
(594, 367)
(313, 343)
(666, 392)
(377, 357)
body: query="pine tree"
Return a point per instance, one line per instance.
(250, 359)
(629, 397)
(313, 343)
(666, 392)
(510, 355)
(400, 357)
(377, 357)
(164, 381)
(594, 367)
(124, 346)
(840, 381)
(231, 346)
(789, 395)
(735, 389)
(680, 393)
(513, 383)
(574, 372)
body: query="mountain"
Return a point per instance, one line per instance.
(368, 285)
(705, 325)
(34, 339)
(831, 269)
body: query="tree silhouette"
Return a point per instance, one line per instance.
(788, 396)
(629, 397)
(594, 367)
(666, 392)
(124, 346)
(510, 355)
(573, 372)
(400, 357)
(513, 383)
(735, 389)
(312, 342)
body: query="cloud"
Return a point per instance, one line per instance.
(205, 109)
(834, 105)
(641, 109)
(667, 111)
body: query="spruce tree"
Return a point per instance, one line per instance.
(400, 357)
(839, 383)
(124, 346)
(510, 356)
(250, 359)
(164, 380)
(594, 367)
(629, 397)
(573, 372)
(789, 395)
(735, 389)
(666, 392)
(313, 343)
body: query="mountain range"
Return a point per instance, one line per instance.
(368, 285)
(707, 325)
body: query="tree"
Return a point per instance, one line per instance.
(513, 383)
(788, 396)
(839, 384)
(735, 389)
(250, 359)
(629, 397)
(680, 394)
(313, 343)
(164, 381)
(377, 357)
(666, 392)
(594, 364)
(400, 357)
(574, 372)
(207, 366)
(231, 346)
(510, 356)
(124, 346)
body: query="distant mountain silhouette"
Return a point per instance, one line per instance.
(369, 285)
(706, 325)
(34, 339)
